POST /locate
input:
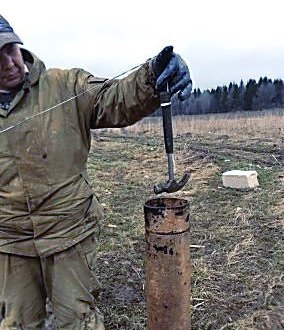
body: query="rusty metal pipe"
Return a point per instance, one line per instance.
(168, 268)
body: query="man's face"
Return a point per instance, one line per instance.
(12, 68)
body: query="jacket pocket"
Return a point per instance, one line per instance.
(87, 249)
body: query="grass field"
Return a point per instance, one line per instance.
(238, 264)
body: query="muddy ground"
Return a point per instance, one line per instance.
(237, 245)
(238, 265)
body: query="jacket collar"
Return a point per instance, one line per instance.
(35, 67)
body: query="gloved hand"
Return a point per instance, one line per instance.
(169, 68)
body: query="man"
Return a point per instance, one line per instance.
(48, 211)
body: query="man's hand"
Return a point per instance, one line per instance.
(169, 68)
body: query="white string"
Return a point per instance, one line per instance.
(61, 103)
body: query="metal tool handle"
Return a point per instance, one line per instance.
(171, 185)
(165, 101)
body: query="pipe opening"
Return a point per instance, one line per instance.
(166, 215)
(166, 203)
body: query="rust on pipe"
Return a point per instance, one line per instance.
(168, 268)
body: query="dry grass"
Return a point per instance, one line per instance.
(254, 123)
(238, 261)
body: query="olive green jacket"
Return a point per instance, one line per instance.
(46, 201)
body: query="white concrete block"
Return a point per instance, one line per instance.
(240, 179)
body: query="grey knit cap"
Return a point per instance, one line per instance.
(7, 34)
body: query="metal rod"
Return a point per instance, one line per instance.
(168, 268)
(171, 166)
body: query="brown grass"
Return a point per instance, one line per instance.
(238, 258)
(254, 123)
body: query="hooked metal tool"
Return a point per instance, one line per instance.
(171, 185)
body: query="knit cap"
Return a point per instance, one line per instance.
(7, 34)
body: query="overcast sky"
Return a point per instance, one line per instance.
(221, 40)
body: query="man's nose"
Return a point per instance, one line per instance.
(7, 62)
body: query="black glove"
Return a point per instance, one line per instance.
(169, 68)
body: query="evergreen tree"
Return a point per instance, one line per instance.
(235, 104)
(224, 105)
(279, 93)
(250, 94)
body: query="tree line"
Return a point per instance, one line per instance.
(254, 95)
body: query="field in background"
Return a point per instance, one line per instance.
(254, 123)
(238, 265)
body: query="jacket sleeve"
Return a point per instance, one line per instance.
(122, 102)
